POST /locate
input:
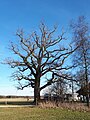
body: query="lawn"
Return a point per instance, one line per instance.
(28, 113)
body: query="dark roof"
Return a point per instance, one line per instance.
(84, 90)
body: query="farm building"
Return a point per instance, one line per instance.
(83, 91)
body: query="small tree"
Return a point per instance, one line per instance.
(38, 55)
(59, 89)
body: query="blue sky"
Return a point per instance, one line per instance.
(27, 14)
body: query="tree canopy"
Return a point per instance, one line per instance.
(38, 54)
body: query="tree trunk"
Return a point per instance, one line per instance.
(37, 92)
(87, 94)
(86, 77)
(87, 98)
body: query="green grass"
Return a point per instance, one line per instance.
(42, 114)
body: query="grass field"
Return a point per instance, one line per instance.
(35, 113)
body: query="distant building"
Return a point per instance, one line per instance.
(83, 91)
(64, 97)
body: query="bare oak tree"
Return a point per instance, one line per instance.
(37, 55)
